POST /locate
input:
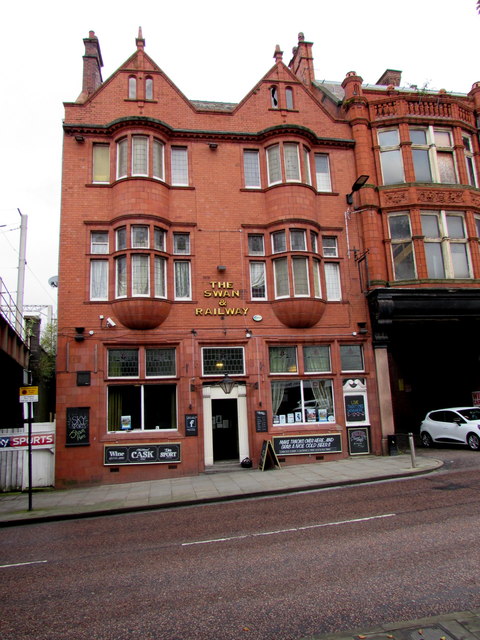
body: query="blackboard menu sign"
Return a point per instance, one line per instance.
(78, 426)
(355, 408)
(301, 445)
(261, 421)
(358, 441)
(142, 453)
(268, 457)
(191, 424)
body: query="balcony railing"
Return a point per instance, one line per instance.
(10, 311)
(425, 106)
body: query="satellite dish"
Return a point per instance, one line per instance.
(53, 281)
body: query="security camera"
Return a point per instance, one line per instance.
(110, 323)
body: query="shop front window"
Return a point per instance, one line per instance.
(302, 401)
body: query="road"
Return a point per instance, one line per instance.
(279, 568)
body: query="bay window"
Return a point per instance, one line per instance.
(158, 160)
(300, 276)
(292, 162)
(298, 241)
(121, 277)
(280, 274)
(469, 161)
(433, 155)
(122, 158)
(160, 288)
(274, 169)
(140, 236)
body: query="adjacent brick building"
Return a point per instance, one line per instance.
(206, 243)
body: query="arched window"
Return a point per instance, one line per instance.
(274, 97)
(289, 97)
(149, 89)
(132, 88)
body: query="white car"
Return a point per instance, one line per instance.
(458, 425)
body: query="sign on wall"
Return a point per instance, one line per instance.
(301, 445)
(78, 426)
(142, 454)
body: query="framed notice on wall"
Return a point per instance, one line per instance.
(78, 426)
(358, 440)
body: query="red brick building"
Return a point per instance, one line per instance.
(206, 243)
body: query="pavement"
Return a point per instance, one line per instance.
(230, 484)
(234, 484)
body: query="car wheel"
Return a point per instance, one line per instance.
(473, 441)
(426, 439)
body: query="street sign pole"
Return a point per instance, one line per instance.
(29, 456)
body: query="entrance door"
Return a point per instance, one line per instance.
(225, 430)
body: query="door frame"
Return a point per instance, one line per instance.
(238, 393)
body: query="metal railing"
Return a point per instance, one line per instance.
(10, 311)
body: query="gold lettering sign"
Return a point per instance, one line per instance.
(222, 291)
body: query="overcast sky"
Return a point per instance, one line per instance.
(212, 50)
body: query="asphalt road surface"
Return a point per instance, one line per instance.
(278, 568)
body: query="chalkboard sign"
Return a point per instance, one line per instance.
(355, 408)
(358, 441)
(268, 457)
(261, 421)
(191, 424)
(78, 426)
(301, 445)
(142, 453)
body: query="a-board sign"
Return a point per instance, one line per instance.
(191, 424)
(358, 440)
(78, 426)
(355, 408)
(311, 443)
(268, 458)
(142, 453)
(261, 425)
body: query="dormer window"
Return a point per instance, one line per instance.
(132, 88)
(274, 97)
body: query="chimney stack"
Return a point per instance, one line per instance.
(92, 65)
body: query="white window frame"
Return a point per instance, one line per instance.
(274, 165)
(433, 149)
(251, 169)
(386, 149)
(160, 285)
(137, 262)
(447, 243)
(279, 234)
(317, 280)
(122, 158)
(121, 293)
(100, 161)
(280, 293)
(251, 250)
(140, 156)
(134, 243)
(178, 251)
(332, 281)
(469, 159)
(258, 266)
(330, 246)
(291, 159)
(158, 160)
(98, 246)
(323, 176)
(307, 168)
(298, 233)
(99, 280)
(300, 277)
(362, 356)
(118, 245)
(179, 166)
(398, 245)
(188, 295)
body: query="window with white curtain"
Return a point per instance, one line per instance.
(322, 172)
(160, 277)
(182, 280)
(332, 281)
(258, 287)
(121, 277)
(99, 280)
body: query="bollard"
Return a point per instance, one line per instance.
(412, 449)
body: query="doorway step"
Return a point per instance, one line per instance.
(224, 466)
